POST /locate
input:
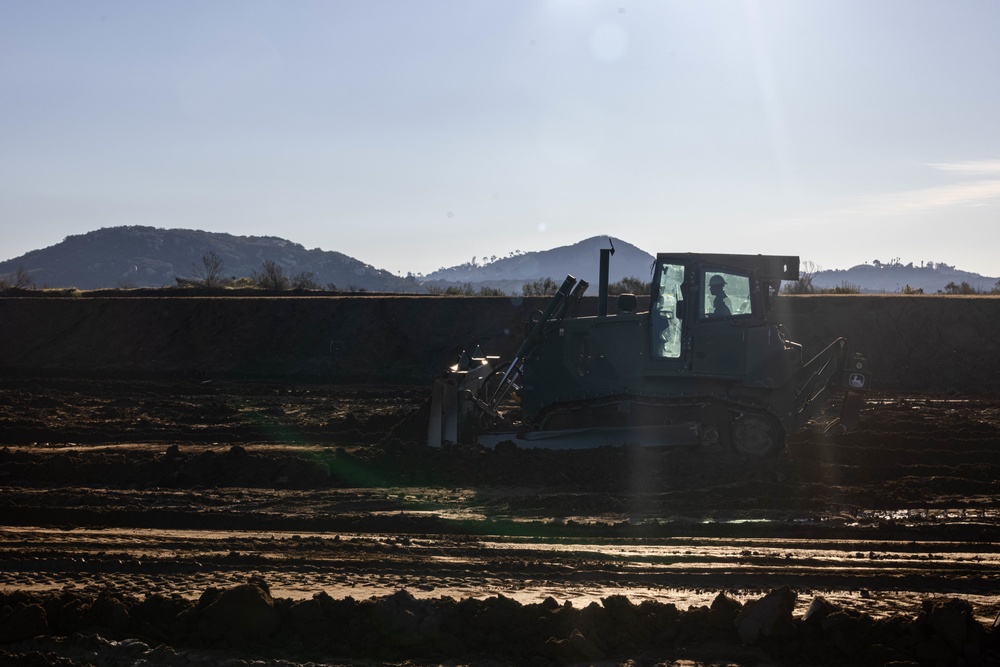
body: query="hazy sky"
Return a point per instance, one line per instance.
(417, 134)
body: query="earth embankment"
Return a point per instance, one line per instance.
(912, 342)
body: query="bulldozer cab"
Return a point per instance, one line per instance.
(702, 308)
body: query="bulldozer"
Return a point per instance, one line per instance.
(704, 364)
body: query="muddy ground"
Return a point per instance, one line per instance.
(201, 481)
(207, 522)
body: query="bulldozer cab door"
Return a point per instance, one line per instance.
(667, 311)
(726, 305)
(700, 315)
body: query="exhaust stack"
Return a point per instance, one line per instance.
(602, 288)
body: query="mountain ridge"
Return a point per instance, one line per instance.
(896, 277)
(581, 260)
(139, 256)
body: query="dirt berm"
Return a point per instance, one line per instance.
(924, 343)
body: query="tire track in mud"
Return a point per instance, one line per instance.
(862, 574)
(905, 503)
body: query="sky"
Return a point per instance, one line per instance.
(414, 135)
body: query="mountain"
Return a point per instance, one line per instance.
(136, 256)
(894, 277)
(581, 260)
(149, 257)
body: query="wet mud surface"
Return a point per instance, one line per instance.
(201, 521)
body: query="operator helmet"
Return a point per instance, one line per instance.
(716, 280)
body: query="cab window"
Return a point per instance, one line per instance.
(725, 294)
(666, 314)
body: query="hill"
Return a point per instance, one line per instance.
(581, 260)
(137, 256)
(894, 277)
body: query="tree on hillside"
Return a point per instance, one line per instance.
(629, 285)
(964, 288)
(843, 288)
(270, 277)
(19, 279)
(305, 281)
(541, 287)
(466, 289)
(209, 274)
(804, 285)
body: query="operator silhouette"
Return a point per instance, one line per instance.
(717, 286)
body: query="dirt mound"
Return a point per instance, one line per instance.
(110, 626)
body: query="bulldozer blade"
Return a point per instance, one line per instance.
(850, 410)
